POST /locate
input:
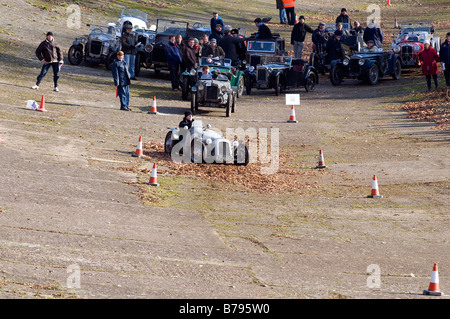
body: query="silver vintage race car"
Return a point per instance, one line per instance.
(200, 144)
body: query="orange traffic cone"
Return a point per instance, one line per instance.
(321, 161)
(42, 106)
(292, 117)
(396, 24)
(139, 148)
(433, 288)
(388, 2)
(153, 177)
(153, 108)
(296, 19)
(375, 193)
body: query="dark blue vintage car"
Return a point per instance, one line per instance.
(366, 65)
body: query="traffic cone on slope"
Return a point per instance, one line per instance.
(375, 193)
(154, 177)
(153, 108)
(388, 3)
(139, 152)
(292, 116)
(321, 160)
(433, 288)
(42, 105)
(396, 24)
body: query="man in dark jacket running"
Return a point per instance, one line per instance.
(298, 36)
(49, 53)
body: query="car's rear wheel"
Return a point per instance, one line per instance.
(373, 74)
(248, 85)
(168, 143)
(240, 90)
(137, 66)
(310, 82)
(277, 86)
(397, 70)
(228, 106)
(336, 75)
(75, 55)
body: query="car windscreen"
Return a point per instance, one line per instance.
(217, 62)
(135, 14)
(260, 46)
(96, 30)
(171, 27)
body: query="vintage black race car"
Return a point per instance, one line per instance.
(258, 48)
(280, 73)
(366, 65)
(216, 89)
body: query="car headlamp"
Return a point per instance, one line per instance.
(201, 86)
(361, 62)
(416, 48)
(223, 89)
(251, 68)
(208, 141)
(148, 48)
(270, 70)
(397, 49)
(192, 72)
(346, 61)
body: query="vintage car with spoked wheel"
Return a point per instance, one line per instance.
(368, 66)
(99, 47)
(200, 144)
(409, 42)
(218, 88)
(281, 73)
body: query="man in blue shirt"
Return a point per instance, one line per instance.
(174, 59)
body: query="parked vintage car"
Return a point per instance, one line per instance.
(410, 41)
(366, 65)
(258, 48)
(99, 47)
(164, 28)
(145, 34)
(200, 144)
(280, 73)
(216, 89)
(235, 75)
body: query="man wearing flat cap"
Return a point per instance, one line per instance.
(50, 54)
(298, 36)
(334, 47)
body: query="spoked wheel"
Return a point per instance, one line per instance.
(240, 89)
(373, 74)
(75, 55)
(397, 70)
(310, 82)
(241, 155)
(336, 75)
(168, 143)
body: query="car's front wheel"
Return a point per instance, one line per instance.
(373, 74)
(248, 85)
(233, 104)
(336, 75)
(397, 70)
(277, 85)
(168, 143)
(194, 103)
(184, 88)
(241, 155)
(310, 82)
(110, 60)
(75, 55)
(240, 88)
(197, 150)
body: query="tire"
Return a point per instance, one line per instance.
(397, 70)
(336, 75)
(241, 155)
(310, 82)
(228, 106)
(110, 60)
(194, 104)
(75, 55)
(240, 90)
(184, 89)
(277, 86)
(373, 74)
(233, 104)
(137, 67)
(168, 144)
(248, 85)
(197, 150)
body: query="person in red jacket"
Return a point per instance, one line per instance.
(429, 58)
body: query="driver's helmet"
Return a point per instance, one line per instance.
(127, 25)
